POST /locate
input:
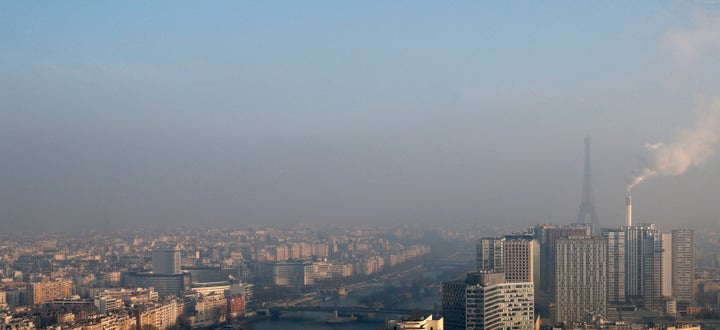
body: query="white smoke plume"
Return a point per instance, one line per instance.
(690, 147)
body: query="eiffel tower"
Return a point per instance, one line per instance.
(587, 204)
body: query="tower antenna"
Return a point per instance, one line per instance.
(587, 202)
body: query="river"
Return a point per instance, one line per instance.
(315, 320)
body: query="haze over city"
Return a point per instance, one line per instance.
(116, 115)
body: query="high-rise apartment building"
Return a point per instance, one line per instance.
(683, 267)
(494, 303)
(615, 265)
(640, 258)
(547, 236)
(667, 264)
(581, 278)
(517, 255)
(521, 258)
(166, 261)
(485, 300)
(652, 272)
(453, 304)
(489, 254)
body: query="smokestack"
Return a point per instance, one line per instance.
(628, 216)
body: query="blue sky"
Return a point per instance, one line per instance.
(338, 112)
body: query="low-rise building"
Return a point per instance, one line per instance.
(419, 323)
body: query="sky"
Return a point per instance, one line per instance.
(119, 115)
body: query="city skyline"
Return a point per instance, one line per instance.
(237, 114)
(641, 276)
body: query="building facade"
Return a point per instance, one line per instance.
(453, 304)
(521, 258)
(518, 256)
(652, 273)
(420, 323)
(615, 265)
(494, 303)
(164, 285)
(547, 236)
(166, 261)
(667, 266)
(38, 293)
(489, 253)
(486, 300)
(683, 267)
(633, 257)
(581, 278)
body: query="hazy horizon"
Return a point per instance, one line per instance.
(117, 115)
